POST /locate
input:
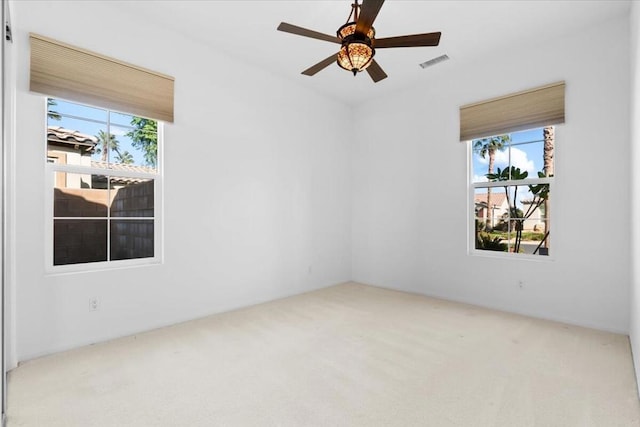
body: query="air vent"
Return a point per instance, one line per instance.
(434, 61)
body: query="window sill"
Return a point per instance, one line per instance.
(95, 267)
(511, 256)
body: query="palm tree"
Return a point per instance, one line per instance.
(548, 134)
(489, 146)
(54, 115)
(107, 142)
(125, 158)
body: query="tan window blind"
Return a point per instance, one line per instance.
(529, 109)
(68, 72)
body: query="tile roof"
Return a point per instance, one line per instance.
(97, 164)
(497, 198)
(68, 136)
(114, 167)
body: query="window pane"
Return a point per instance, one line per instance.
(75, 195)
(489, 235)
(142, 141)
(527, 156)
(129, 152)
(79, 241)
(106, 149)
(75, 140)
(131, 239)
(489, 154)
(132, 197)
(531, 201)
(495, 199)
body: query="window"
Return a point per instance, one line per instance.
(512, 178)
(103, 169)
(512, 171)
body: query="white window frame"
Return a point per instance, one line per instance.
(471, 226)
(49, 181)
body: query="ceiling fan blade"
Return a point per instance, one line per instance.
(427, 39)
(376, 72)
(320, 65)
(368, 12)
(293, 29)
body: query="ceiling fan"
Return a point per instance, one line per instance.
(358, 41)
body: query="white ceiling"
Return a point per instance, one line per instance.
(470, 29)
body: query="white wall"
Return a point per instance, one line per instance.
(410, 185)
(257, 195)
(634, 332)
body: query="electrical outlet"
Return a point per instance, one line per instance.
(93, 304)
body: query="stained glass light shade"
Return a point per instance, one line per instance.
(350, 29)
(355, 56)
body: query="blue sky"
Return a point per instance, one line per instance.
(120, 125)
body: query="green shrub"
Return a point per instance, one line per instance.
(489, 242)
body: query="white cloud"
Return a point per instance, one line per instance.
(119, 131)
(519, 159)
(479, 178)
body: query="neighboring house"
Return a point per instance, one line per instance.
(500, 207)
(70, 147)
(536, 220)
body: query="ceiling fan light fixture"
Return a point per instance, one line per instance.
(356, 52)
(355, 56)
(358, 43)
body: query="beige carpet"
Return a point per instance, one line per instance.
(349, 355)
